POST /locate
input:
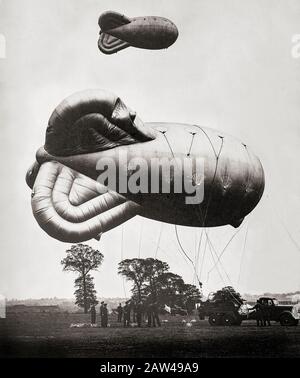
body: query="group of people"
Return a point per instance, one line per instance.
(131, 312)
(103, 315)
(262, 314)
(136, 312)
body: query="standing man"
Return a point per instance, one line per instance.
(258, 314)
(126, 314)
(93, 315)
(149, 314)
(266, 310)
(105, 315)
(120, 312)
(101, 313)
(155, 316)
(139, 313)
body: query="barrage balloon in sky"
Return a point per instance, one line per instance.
(118, 32)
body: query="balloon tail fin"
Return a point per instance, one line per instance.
(110, 45)
(74, 208)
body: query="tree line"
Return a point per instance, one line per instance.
(151, 280)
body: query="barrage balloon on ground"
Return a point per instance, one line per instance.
(73, 199)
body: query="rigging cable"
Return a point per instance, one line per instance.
(224, 249)
(180, 245)
(186, 255)
(213, 248)
(203, 257)
(158, 241)
(217, 156)
(233, 297)
(243, 254)
(122, 251)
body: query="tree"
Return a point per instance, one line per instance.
(143, 273)
(192, 295)
(228, 294)
(154, 269)
(85, 296)
(152, 281)
(134, 270)
(82, 259)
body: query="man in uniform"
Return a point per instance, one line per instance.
(259, 314)
(139, 313)
(101, 313)
(93, 315)
(155, 317)
(266, 310)
(120, 312)
(104, 315)
(126, 314)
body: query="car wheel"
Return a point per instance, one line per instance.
(228, 320)
(214, 319)
(287, 320)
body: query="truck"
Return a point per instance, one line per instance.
(233, 312)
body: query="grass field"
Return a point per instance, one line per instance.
(50, 335)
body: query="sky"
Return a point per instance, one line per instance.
(230, 69)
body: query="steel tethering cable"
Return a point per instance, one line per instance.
(122, 251)
(187, 256)
(177, 236)
(222, 279)
(293, 240)
(217, 156)
(211, 249)
(227, 275)
(243, 253)
(203, 257)
(158, 241)
(227, 244)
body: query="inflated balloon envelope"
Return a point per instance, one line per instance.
(118, 32)
(91, 128)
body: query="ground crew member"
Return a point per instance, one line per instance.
(149, 315)
(101, 313)
(258, 314)
(120, 312)
(266, 310)
(139, 313)
(93, 315)
(126, 314)
(155, 317)
(104, 315)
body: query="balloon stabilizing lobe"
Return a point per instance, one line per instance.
(72, 205)
(118, 32)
